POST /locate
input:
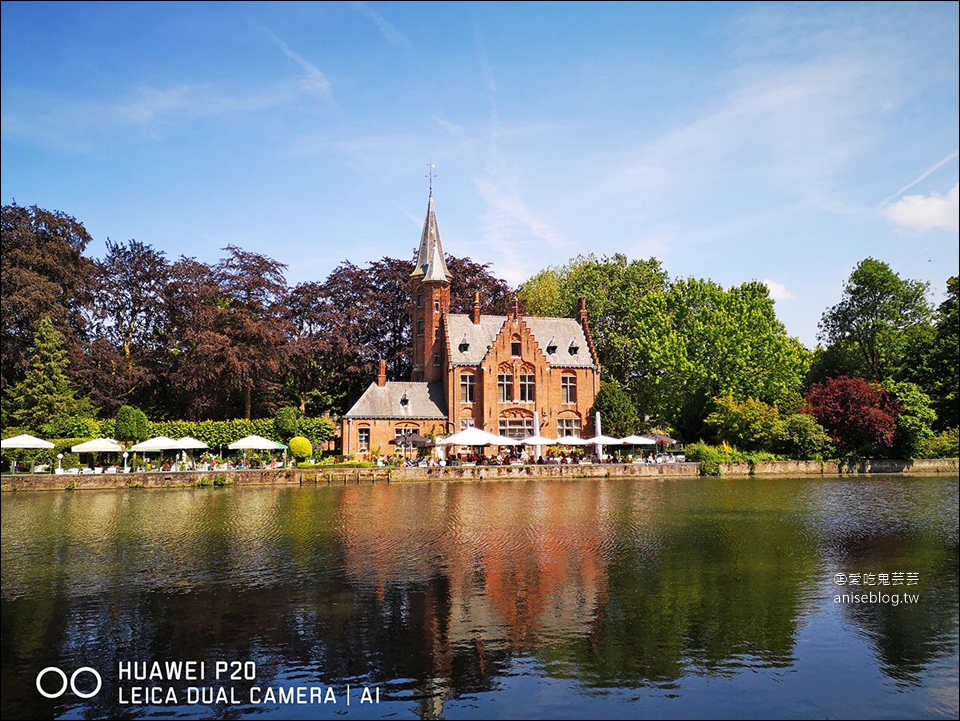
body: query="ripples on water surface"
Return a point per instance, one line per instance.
(588, 598)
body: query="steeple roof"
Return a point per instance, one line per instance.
(431, 266)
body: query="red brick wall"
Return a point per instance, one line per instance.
(487, 410)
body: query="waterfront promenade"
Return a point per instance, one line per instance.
(328, 476)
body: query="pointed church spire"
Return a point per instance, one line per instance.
(431, 266)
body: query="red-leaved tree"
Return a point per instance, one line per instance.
(859, 416)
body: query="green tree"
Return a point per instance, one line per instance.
(44, 394)
(869, 331)
(124, 361)
(131, 425)
(942, 358)
(286, 423)
(697, 341)
(803, 439)
(859, 416)
(614, 287)
(618, 417)
(749, 425)
(915, 418)
(44, 274)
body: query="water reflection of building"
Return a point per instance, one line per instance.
(504, 579)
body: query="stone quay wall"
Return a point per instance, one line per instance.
(922, 467)
(344, 476)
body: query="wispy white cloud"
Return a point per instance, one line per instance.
(313, 80)
(393, 36)
(457, 131)
(78, 124)
(924, 175)
(787, 127)
(150, 104)
(778, 291)
(927, 212)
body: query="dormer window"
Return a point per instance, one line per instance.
(464, 344)
(552, 346)
(574, 348)
(404, 401)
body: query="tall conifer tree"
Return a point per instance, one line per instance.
(45, 395)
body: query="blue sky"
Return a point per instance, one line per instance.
(733, 141)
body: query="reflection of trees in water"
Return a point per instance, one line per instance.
(906, 637)
(892, 524)
(434, 591)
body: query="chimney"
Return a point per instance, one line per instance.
(382, 378)
(476, 309)
(582, 312)
(516, 309)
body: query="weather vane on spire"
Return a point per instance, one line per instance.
(429, 174)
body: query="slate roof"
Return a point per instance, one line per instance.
(424, 400)
(561, 334)
(430, 261)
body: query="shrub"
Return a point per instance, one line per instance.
(751, 424)
(710, 457)
(71, 427)
(803, 439)
(943, 445)
(300, 447)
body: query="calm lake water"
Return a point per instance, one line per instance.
(554, 599)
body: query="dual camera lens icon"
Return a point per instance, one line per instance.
(72, 682)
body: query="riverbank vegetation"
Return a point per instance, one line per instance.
(134, 345)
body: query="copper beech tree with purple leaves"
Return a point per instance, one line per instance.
(860, 417)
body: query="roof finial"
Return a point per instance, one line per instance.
(430, 166)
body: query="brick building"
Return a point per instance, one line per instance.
(502, 374)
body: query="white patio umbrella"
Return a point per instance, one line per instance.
(637, 441)
(538, 441)
(473, 436)
(256, 443)
(25, 440)
(573, 441)
(189, 443)
(98, 445)
(159, 443)
(601, 440)
(605, 441)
